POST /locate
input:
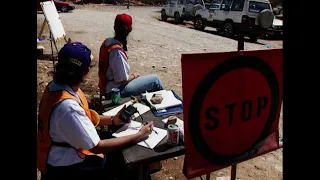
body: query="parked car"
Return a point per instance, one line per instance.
(276, 29)
(180, 10)
(277, 10)
(60, 5)
(279, 15)
(248, 17)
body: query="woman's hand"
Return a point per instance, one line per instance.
(117, 121)
(146, 130)
(135, 75)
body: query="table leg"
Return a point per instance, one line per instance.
(208, 176)
(233, 172)
(140, 169)
(143, 172)
(146, 172)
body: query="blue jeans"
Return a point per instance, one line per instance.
(142, 84)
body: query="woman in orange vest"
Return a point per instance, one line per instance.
(114, 69)
(68, 143)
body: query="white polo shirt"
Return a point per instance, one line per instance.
(119, 69)
(69, 124)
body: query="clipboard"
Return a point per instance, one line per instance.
(168, 111)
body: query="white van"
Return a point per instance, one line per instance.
(181, 10)
(248, 17)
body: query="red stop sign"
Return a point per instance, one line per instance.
(231, 106)
(232, 118)
(224, 145)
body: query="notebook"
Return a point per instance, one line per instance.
(133, 127)
(169, 100)
(171, 110)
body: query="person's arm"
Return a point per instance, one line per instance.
(130, 78)
(111, 120)
(105, 121)
(108, 145)
(120, 67)
(81, 133)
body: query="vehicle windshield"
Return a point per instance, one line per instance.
(194, 2)
(167, 2)
(257, 7)
(216, 1)
(170, 1)
(215, 4)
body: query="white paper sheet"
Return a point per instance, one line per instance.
(141, 108)
(169, 100)
(131, 128)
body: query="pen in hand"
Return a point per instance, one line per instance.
(139, 129)
(152, 128)
(155, 131)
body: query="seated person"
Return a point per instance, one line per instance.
(114, 69)
(68, 145)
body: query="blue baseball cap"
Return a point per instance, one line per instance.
(76, 53)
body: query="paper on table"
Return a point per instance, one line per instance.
(179, 123)
(168, 99)
(133, 127)
(141, 108)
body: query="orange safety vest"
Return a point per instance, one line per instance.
(44, 142)
(104, 63)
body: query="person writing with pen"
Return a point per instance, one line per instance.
(68, 144)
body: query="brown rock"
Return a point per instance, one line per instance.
(172, 120)
(157, 99)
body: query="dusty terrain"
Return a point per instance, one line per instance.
(156, 47)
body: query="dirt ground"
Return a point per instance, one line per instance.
(155, 47)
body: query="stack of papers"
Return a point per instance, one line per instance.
(169, 100)
(133, 127)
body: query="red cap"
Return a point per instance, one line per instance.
(124, 20)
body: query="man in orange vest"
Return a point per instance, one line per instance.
(114, 69)
(68, 143)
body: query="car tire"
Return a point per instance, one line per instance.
(64, 9)
(228, 29)
(164, 17)
(198, 23)
(177, 18)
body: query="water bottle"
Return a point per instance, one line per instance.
(268, 46)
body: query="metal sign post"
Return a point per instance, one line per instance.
(240, 48)
(240, 42)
